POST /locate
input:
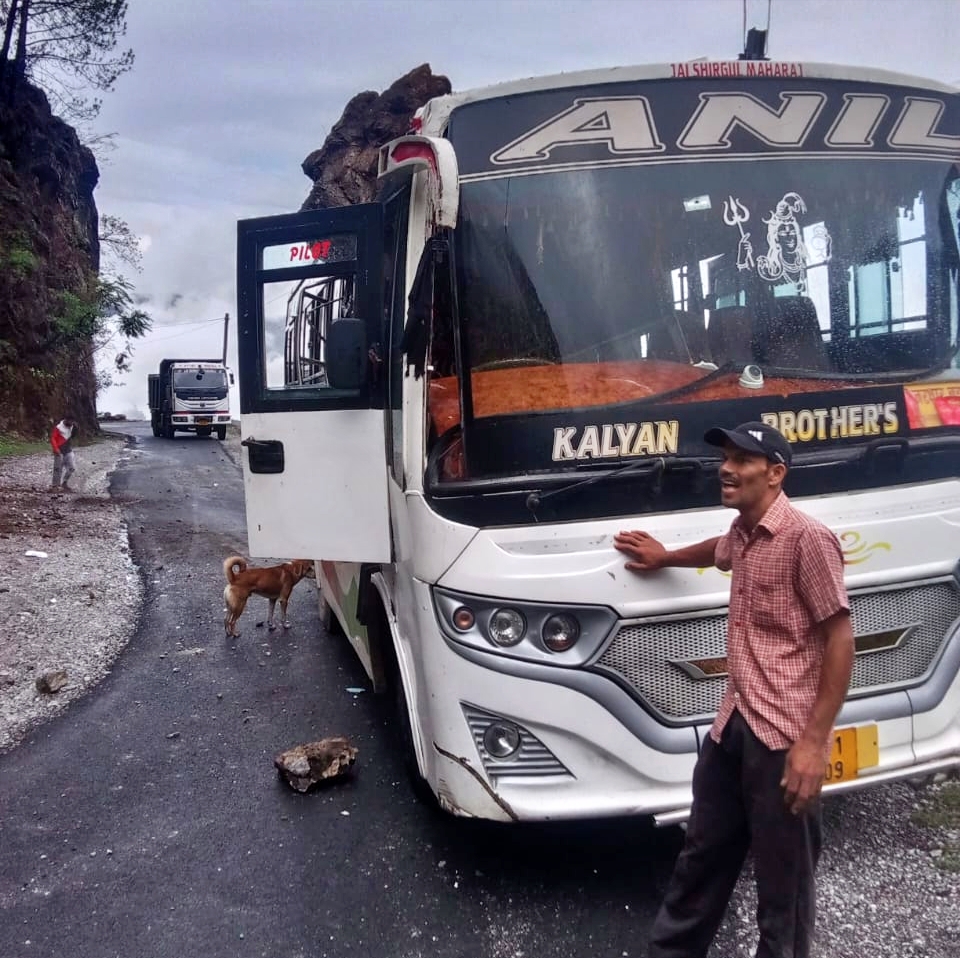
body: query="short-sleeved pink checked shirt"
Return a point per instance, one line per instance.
(787, 580)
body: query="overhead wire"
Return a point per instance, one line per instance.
(203, 322)
(195, 322)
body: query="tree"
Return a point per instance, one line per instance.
(91, 323)
(119, 242)
(118, 313)
(66, 47)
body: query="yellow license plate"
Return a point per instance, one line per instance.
(203, 422)
(853, 749)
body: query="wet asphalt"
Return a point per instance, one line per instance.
(148, 819)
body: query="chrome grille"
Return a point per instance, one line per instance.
(641, 652)
(531, 760)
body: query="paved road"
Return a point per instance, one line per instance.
(148, 819)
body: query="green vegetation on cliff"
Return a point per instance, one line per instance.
(57, 308)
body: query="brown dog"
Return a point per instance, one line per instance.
(274, 582)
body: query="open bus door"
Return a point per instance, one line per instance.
(309, 290)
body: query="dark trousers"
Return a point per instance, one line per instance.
(738, 806)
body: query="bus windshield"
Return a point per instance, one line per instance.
(773, 264)
(604, 311)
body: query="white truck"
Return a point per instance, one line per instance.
(453, 398)
(190, 395)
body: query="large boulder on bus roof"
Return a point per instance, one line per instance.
(344, 169)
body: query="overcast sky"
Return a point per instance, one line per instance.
(227, 97)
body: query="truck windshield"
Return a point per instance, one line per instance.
(199, 382)
(606, 310)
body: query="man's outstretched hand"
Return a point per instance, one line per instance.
(646, 553)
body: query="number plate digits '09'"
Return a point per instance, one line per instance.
(853, 749)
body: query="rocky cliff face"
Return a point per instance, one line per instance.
(49, 258)
(344, 169)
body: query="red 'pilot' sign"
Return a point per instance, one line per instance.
(302, 252)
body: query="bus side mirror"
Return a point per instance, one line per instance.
(347, 354)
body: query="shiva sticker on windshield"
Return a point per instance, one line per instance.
(791, 248)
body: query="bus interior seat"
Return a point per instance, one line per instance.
(793, 339)
(730, 335)
(681, 339)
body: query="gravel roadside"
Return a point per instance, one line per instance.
(73, 606)
(889, 885)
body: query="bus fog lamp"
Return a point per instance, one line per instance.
(501, 739)
(560, 632)
(507, 627)
(463, 619)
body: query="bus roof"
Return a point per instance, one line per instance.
(437, 111)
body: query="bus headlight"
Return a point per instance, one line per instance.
(560, 632)
(501, 739)
(549, 633)
(507, 627)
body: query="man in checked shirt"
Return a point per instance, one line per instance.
(790, 651)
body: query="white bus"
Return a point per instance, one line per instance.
(454, 397)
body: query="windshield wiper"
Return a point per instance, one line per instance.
(654, 471)
(889, 376)
(893, 377)
(886, 452)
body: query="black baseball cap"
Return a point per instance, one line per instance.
(755, 437)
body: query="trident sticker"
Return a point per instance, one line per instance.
(736, 214)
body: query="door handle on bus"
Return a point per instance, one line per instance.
(265, 456)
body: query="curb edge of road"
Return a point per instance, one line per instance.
(230, 445)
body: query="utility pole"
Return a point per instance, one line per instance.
(226, 323)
